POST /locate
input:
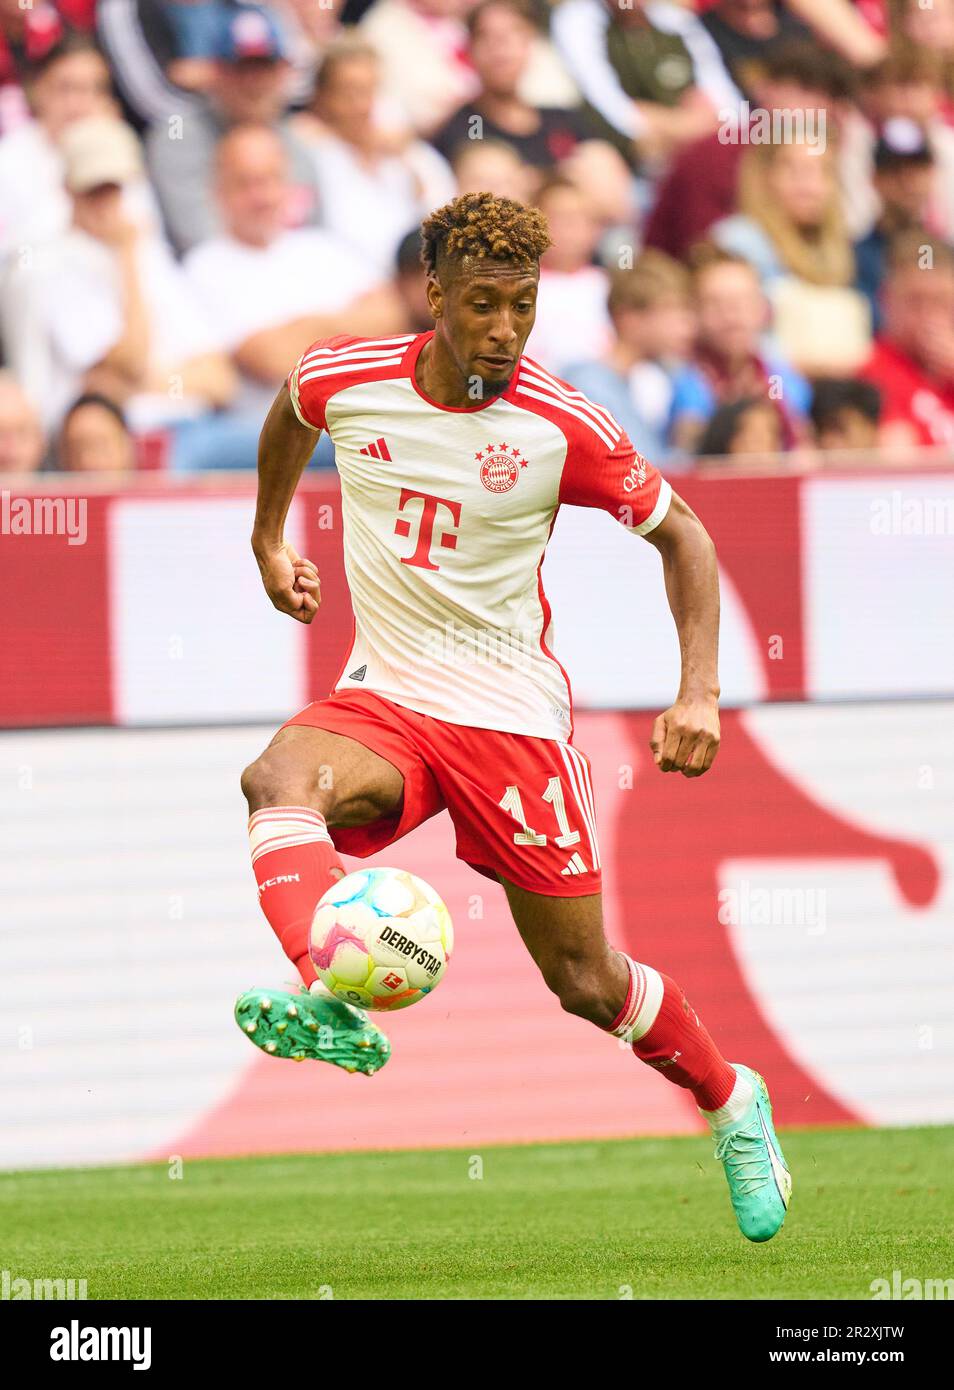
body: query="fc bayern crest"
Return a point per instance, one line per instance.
(500, 467)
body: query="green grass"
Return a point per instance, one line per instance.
(582, 1220)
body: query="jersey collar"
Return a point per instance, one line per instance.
(410, 362)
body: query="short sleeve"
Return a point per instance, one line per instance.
(312, 380)
(604, 470)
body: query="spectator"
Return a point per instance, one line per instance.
(309, 29)
(903, 179)
(410, 283)
(745, 31)
(370, 192)
(272, 291)
(423, 48)
(69, 83)
(748, 427)
(912, 363)
(650, 73)
(21, 435)
(251, 84)
(150, 54)
(492, 166)
(603, 177)
(731, 360)
(572, 290)
(196, 28)
(930, 27)
(28, 30)
(790, 227)
(845, 414)
(109, 311)
(701, 185)
(906, 86)
(854, 29)
(502, 33)
(427, 72)
(649, 307)
(94, 438)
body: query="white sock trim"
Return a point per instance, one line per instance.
(284, 827)
(730, 1114)
(645, 998)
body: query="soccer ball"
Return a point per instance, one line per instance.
(381, 939)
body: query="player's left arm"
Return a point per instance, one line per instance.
(604, 470)
(685, 738)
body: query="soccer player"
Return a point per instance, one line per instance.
(455, 452)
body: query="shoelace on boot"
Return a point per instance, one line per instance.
(743, 1151)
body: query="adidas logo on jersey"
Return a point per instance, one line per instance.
(377, 450)
(358, 674)
(575, 865)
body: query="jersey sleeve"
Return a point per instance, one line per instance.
(603, 469)
(313, 380)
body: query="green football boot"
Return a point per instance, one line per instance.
(303, 1025)
(760, 1184)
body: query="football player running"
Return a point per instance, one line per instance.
(455, 451)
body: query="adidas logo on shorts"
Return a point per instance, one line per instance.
(575, 865)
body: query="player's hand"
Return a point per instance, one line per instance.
(685, 737)
(291, 583)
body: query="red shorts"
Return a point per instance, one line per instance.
(522, 807)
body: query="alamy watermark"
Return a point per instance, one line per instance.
(755, 125)
(44, 516)
(76, 1343)
(460, 645)
(746, 906)
(50, 1290)
(898, 515)
(898, 1288)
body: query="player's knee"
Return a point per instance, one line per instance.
(276, 779)
(258, 782)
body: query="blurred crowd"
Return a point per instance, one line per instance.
(751, 202)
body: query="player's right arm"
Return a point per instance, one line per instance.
(284, 448)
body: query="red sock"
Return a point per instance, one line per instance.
(680, 1049)
(295, 862)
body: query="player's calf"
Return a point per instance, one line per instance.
(587, 985)
(306, 780)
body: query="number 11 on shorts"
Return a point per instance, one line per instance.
(512, 802)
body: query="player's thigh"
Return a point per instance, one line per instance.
(563, 935)
(349, 783)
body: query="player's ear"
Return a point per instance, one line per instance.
(435, 296)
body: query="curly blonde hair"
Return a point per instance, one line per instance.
(481, 226)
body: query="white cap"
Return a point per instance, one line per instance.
(98, 150)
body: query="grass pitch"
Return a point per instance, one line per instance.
(647, 1218)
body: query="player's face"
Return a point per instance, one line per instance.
(486, 319)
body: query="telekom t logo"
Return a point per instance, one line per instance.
(425, 535)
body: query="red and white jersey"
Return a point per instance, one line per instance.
(447, 511)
